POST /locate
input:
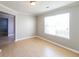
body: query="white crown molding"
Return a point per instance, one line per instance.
(8, 8)
(16, 12)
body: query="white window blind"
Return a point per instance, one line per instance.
(57, 25)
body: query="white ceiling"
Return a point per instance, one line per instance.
(40, 7)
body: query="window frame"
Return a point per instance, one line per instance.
(68, 37)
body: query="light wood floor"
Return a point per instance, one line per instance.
(35, 47)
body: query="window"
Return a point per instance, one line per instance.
(57, 25)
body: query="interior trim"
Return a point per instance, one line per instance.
(24, 38)
(72, 50)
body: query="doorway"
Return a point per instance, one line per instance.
(7, 28)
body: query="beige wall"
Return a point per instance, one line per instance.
(73, 42)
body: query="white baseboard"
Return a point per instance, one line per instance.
(24, 38)
(75, 51)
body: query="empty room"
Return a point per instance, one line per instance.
(39, 28)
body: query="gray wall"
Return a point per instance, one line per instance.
(73, 42)
(11, 26)
(25, 24)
